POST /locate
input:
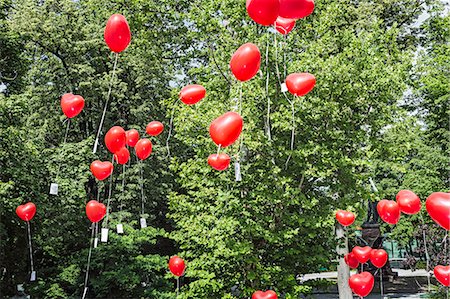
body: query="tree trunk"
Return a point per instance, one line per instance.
(343, 270)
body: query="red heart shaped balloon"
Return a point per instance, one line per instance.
(442, 274)
(361, 284)
(378, 257)
(225, 129)
(154, 128)
(345, 218)
(264, 295)
(219, 161)
(143, 148)
(115, 139)
(351, 260)
(192, 94)
(177, 266)
(101, 170)
(117, 33)
(300, 84)
(362, 254)
(27, 211)
(284, 26)
(408, 202)
(132, 137)
(296, 9)
(122, 156)
(263, 12)
(389, 211)
(438, 206)
(245, 62)
(95, 211)
(71, 104)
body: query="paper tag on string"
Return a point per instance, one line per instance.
(143, 223)
(237, 171)
(104, 237)
(33, 276)
(225, 22)
(95, 242)
(119, 228)
(54, 189)
(284, 87)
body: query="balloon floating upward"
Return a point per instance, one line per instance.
(115, 139)
(263, 12)
(122, 156)
(143, 148)
(132, 137)
(300, 84)
(388, 211)
(442, 274)
(361, 284)
(71, 104)
(95, 211)
(177, 266)
(408, 202)
(101, 170)
(296, 9)
(219, 161)
(154, 128)
(284, 26)
(438, 206)
(27, 211)
(264, 295)
(225, 129)
(117, 33)
(192, 94)
(345, 218)
(245, 62)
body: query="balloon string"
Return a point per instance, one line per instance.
(105, 223)
(111, 81)
(86, 278)
(142, 186)
(218, 149)
(284, 57)
(123, 192)
(60, 154)
(178, 286)
(30, 247)
(381, 283)
(170, 131)
(240, 98)
(267, 91)
(292, 132)
(427, 256)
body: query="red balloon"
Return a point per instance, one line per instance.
(225, 129)
(296, 9)
(438, 206)
(117, 33)
(72, 104)
(177, 266)
(143, 148)
(264, 295)
(192, 94)
(378, 257)
(101, 170)
(132, 137)
(122, 156)
(351, 260)
(219, 161)
(263, 12)
(284, 26)
(362, 254)
(442, 274)
(361, 284)
(408, 202)
(300, 84)
(95, 211)
(388, 211)
(27, 211)
(154, 128)
(345, 218)
(245, 62)
(115, 139)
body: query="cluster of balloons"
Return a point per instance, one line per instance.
(406, 202)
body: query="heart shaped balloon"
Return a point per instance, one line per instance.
(177, 266)
(245, 62)
(408, 202)
(389, 211)
(300, 84)
(264, 295)
(192, 94)
(27, 211)
(143, 148)
(361, 284)
(225, 129)
(101, 170)
(345, 218)
(378, 257)
(442, 274)
(296, 9)
(362, 254)
(95, 211)
(219, 161)
(154, 128)
(284, 26)
(132, 137)
(438, 206)
(351, 260)
(122, 156)
(117, 33)
(115, 139)
(71, 104)
(263, 12)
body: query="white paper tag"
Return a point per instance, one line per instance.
(237, 171)
(143, 223)
(95, 242)
(54, 189)
(104, 237)
(33, 276)
(284, 87)
(225, 22)
(119, 228)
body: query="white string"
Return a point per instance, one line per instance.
(105, 223)
(30, 247)
(86, 278)
(60, 154)
(170, 131)
(427, 256)
(142, 186)
(178, 286)
(381, 283)
(267, 91)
